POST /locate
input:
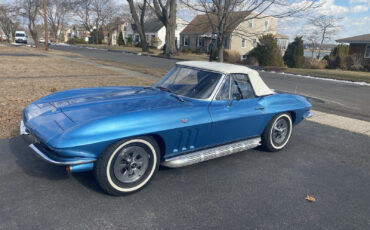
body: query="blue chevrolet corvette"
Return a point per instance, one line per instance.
(197, 112)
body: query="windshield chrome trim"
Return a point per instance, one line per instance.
(215, 90)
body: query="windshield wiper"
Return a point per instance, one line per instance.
(170, 91)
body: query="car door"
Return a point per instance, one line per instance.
(236, 112)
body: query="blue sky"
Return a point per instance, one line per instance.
(355, 14)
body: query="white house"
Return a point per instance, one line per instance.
(155, 32)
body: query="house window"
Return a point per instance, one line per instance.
(137, 38)
(250, 23)
(186, 41)
(199, 42)
(367, 51)
(254, 42)
(243, 42)
(266, 25)
(225, 43)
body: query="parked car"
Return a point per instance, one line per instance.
(42, 40)
(20, 37)
(197, 112)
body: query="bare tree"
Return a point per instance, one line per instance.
(326, 26)
(8, 20)
(166, 12)
(56, 12)
(83, 9)
(30, 9)
(223, 15)
(136, 10)
(103, 12)
(312, 39)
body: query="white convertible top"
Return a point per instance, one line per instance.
(259, 86)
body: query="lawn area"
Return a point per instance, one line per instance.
(32, 74)
(333, 74)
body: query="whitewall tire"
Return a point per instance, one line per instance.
(277, 132)
(128, 165)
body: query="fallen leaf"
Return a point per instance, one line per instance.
(310, 198)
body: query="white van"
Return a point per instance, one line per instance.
(20, 37)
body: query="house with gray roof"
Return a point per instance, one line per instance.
(242, 35)
(155, 32)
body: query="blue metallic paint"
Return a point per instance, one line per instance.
(83, 122)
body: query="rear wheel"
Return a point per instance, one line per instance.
(128, 165)
(277, 132)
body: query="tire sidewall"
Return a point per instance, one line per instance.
(290, 123)
(106, 177)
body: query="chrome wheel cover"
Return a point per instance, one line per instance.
(280, 131)
(131, 164)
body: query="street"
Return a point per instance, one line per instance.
(328, 96)
(248, 190)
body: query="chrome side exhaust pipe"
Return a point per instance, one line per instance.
(212, 153)
(80, 168)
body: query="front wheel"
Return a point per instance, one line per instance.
(277, 132)
(128, 165)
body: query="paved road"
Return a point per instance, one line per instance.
(249, 190)
(327, 96)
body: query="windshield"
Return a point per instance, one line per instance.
(190, 82)
(20, 35)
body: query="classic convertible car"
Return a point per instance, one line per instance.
(197, 112)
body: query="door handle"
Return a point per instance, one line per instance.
(259, 108)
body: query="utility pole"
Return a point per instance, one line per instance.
(46, 28)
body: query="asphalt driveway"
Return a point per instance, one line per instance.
(249, 190)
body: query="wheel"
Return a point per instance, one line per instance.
(277, 132)
(127, 165)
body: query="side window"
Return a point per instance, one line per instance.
(240, 85)
(223, 94)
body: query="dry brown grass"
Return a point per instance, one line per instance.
(25, 79)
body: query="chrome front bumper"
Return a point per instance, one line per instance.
(49, 156)
(23, 129)
(46, 156)
(308, 114)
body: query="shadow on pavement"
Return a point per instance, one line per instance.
(31, 165)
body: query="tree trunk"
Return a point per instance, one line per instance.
(171, 48)
(139, 24)
(322, 41)
(220, 48)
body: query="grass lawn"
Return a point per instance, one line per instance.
(25, 78)
(333, 74)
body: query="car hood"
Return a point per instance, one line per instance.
(87, 105)
(55, 113)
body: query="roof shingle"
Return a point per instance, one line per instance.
(364, 38)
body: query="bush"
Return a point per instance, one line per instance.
(232, 56)
(357, 68)
(267, 51)
(74, 41)
(186, 50)
(198, 50)
(313, 63)
(138, 44)
(129, 41)
(252, 61)
(354, 62)
(120, 40)
(337, 57)
(293, 56)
